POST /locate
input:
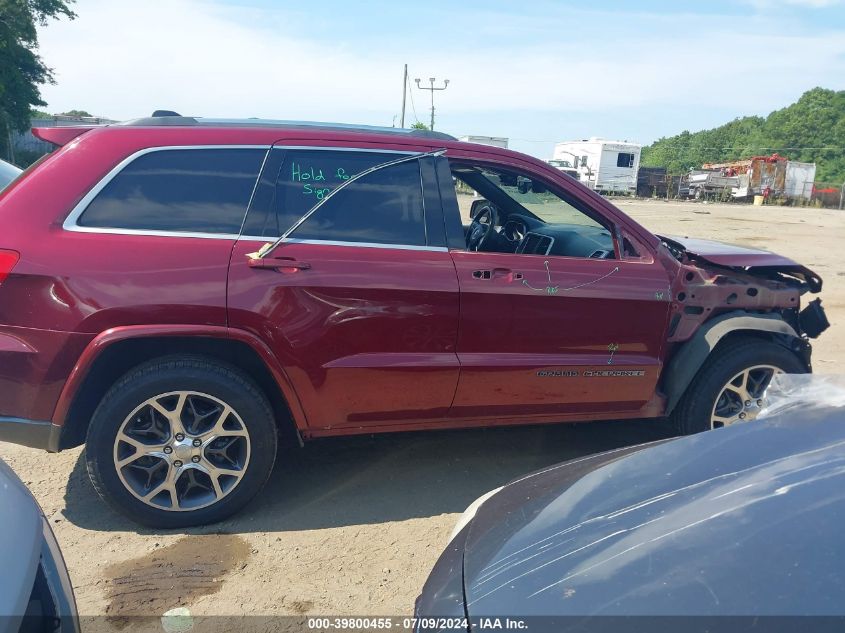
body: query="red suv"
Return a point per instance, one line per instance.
(176, 293)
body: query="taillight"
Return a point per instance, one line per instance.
(8, 259)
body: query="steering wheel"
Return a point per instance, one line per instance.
(481, 227)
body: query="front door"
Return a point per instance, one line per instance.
(362, 308)
(554, 320)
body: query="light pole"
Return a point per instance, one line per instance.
(432, 88)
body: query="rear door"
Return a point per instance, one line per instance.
(362, 309)
(157, 233)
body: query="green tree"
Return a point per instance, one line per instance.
(22, 70)
(76, 113)
(419, 125)
(810, 130)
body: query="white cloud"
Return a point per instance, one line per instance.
(126, 59)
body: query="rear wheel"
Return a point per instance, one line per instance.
(731, 385)
(180, 442)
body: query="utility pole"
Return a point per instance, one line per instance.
(404, 93)
(432, 89)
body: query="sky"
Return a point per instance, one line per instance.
(537, 72)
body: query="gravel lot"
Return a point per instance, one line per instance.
(353, 526)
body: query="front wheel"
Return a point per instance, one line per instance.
(180, 442)
(731, 385)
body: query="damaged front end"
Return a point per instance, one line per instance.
(710, 278)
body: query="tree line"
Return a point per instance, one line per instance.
(811, 130)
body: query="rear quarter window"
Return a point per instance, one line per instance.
(184, 190)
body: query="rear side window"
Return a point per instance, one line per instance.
(384, 207)
(185, 190)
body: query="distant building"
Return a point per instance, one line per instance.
(495, 141)
(25, 145)
(603, 165)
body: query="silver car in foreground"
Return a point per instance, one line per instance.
(35, 589)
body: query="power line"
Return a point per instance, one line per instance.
(708, 148)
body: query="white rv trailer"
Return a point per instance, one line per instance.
(607, 166)
(495, 141)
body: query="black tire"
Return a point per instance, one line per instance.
(693, 412)
(163, 376)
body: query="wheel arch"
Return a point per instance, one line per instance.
(680, 371)
(116, 351)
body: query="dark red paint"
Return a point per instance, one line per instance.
(358, 339)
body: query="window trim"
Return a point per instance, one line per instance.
(71, 221)
(294, 240)
(404, 157)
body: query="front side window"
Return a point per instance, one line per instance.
(507, 211)
(184, 190)
(383, 207)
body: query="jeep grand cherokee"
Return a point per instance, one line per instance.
(176, 293)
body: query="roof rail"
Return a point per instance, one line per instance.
(168, 117)
(160, 120)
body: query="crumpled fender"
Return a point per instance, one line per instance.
(686, 362)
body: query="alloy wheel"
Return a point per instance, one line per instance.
(743, 397)
(181, 450)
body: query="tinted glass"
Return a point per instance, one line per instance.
(193, 190)
(306, 176)
(383, 207)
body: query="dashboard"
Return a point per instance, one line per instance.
(532, 237)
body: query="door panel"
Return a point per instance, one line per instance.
(366, 334)
(547, 335)
(360, 303)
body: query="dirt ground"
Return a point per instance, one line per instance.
(353, 526)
